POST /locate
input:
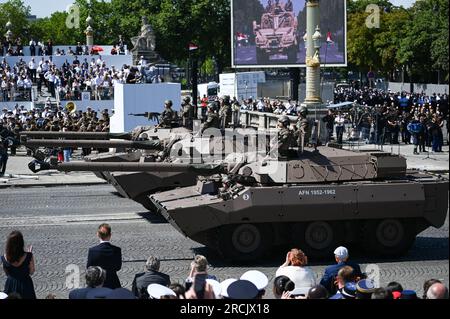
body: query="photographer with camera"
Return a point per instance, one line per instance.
(197, 286)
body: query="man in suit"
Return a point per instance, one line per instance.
(107, 256)
(341, 256)
(150, 276)
(95, 278)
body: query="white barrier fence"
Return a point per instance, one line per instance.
(111, 60)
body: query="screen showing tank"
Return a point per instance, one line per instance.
(269, 33)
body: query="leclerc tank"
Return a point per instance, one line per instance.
(317, 201)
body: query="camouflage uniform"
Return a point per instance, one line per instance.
(188, 115)
(226, 113)
(303, 128)
(167, 117)
(285, 141)
(212, 121)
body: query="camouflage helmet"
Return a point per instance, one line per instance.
(303, 111)
(226, 99)
(187, 99)
(168, 102)
(284, 120)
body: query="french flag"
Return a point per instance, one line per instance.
(241, 36)
(329, 38)
(192, 46)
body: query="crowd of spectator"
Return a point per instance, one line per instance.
(294, 279)
(374, 116)
(15, 47)
(71, 79)
(12, 122)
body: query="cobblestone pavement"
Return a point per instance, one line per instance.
(61, 223)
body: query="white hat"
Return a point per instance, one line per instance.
(341, 253)
(156, 291)
(300, 291)
(3, 295)
(257, 278)
(217, 288)
(224, 285)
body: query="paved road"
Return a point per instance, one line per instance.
(60, 223)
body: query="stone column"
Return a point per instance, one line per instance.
(89, 32)
(313, 98)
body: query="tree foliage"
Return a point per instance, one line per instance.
(415, 38)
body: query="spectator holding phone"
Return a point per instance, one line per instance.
(19, 266)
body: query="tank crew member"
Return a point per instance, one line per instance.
(212, 120)
(225, 113)
(285, 136)
(187, 113)
(303, 128)
(168, 115)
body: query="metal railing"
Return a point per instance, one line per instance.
(16, 95)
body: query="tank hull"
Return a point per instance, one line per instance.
(351, 211)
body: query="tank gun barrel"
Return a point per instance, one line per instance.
(144, 145)
(75, 135)
(200, 169)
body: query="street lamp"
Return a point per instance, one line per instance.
(9, 33)
(317, 37)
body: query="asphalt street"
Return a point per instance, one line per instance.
(60, 223)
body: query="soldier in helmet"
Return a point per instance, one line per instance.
(187, 113)
(225, 112)
(303, 128)
(285, 136)
(168, 115)
(212, 120)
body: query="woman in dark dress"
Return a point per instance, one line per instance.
(18, 266)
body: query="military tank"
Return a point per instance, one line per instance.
(277, 33)
(317, 200)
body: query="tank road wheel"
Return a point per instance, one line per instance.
(388, 237)
(244, 242)
(317, 239)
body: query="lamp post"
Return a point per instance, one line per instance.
(89, 32)
(8, 33)
(313, 44)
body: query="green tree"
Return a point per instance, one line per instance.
(424, 48)
(16, 12)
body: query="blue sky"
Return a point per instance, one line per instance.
(43, 8)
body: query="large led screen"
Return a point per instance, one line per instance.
(270, 33)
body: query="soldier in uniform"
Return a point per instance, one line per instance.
(187, 113)
(303, 129)
(285, 136)
(226, 113)
(168, 115)
(212, 120)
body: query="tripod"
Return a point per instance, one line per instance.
(428, 155)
